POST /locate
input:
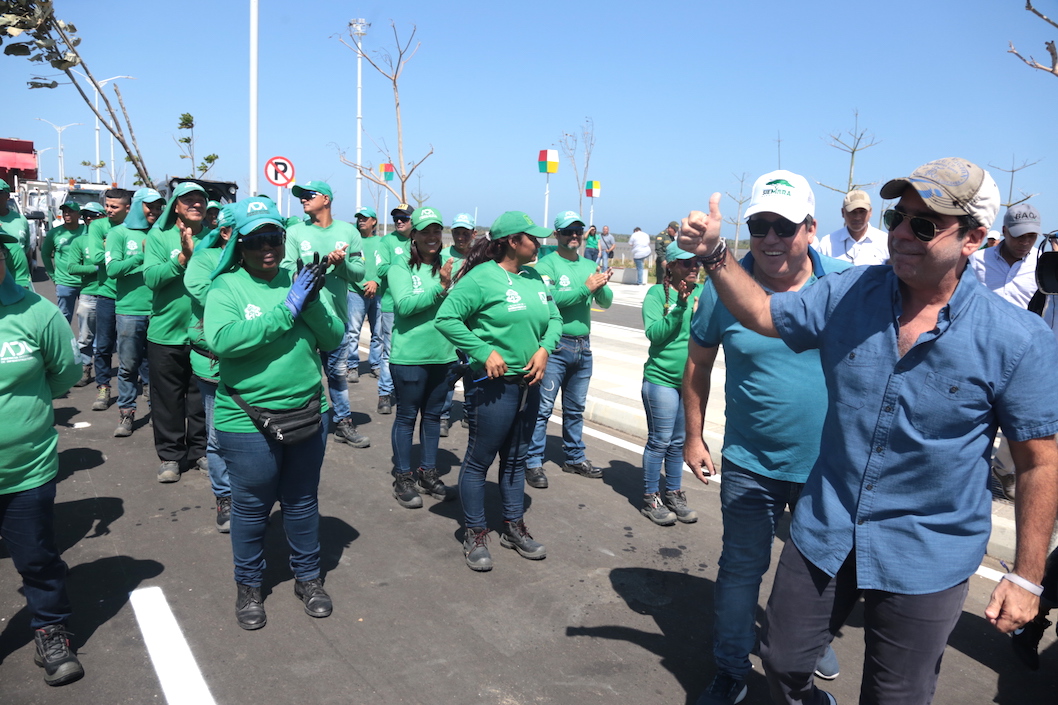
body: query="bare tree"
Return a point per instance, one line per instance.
(586, 140)
(1013, 170)
(852, 141)
(1051, 49)
(392, 70)
(740, 200)
(50, 39)
(418, 196)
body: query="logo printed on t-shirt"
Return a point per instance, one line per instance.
(398, 250)
(543, 297)
(132, 245)
(15, 351)
(251, 312)
(174, 253)
(513, 296)
(416, 284)
(563, 280)
(340, 244)
(306, 246)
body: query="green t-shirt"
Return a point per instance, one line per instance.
(571, 294)
(417, 296)
(15, 224)
(668, 328)
(305, 239)
(163, 273)
(372, 258)
(37, 357)
(266, 355)
(105, 285)
(17, 264)
(490, 309)
(55, 251)
(392, 248)
(457, 257)
(198, 280)
(124, 260)
(592, 241)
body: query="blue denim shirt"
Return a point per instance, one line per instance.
(903, 470)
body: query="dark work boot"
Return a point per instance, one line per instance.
(55, 656)
(317, 601)
(516, 536)
(249, 607)
(404, 490)
(430, 484)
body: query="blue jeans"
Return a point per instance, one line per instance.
(752, 505)
(335, 365)
(501, 420)
(591, 253)
(263, 472)
(66, 298)
(641, 277)
(27, 520)
(665, 436)
(385, 331)
(218, 470)
(133, 370)
(86, 327)
(106, 339)
(568, 369)
(604, 259)
(364, 309)
(420, 389)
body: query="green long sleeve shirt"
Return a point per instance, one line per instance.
(164, 275)
(491, 309)
(392, 248)
(97, 254)
(55, 251)
(668, 328)
(266, 355)
(306, 239)
(198, 280)
(124, 262)
(417, 296)
(572, 296)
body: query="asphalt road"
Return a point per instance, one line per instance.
(619, 611)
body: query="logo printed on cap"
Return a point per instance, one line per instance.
(779, 182)
(254, 206)
(428, 213)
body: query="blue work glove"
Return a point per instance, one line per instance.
(319, 273)
(299, 292)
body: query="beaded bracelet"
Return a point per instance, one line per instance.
(717, 259)
(1021, 582)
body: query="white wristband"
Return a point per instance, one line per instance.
(1021, 582)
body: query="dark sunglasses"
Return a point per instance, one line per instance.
(91, 215)
(783, 227)
(924, 230)
(258, 239)
(400, 219)
(573, 230)
(308, 195)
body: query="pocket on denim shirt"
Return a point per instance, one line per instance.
(856, 375)
(946, 407)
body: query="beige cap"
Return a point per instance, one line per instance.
(952, 186)
(856, 199)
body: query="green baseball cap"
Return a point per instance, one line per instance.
(317, 186)
(71, 205)
(213, 204)
(673, 252)
(249, 214)
(168, 216)
(367, 212)
(421, 217)
(514, 222)
(463, 220)
(94, 207)
(4, 186)
(567, 218)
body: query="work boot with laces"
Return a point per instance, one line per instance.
(124, 429)
(429, 483)
(55, 656)
(656, 511)
(404, 490)
(317, 601)
(249, 607)
(86, 376)
(516, 536)
(102, 402)
(677, 502)
(476, 549)
(345, 432)
(223, 514)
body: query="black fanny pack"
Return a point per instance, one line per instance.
(286, 426)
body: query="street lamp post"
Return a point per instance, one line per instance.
(62, 167)
(359, 29)
(113, 172)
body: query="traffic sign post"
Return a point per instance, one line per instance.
(280, 172)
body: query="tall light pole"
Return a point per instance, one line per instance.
(59, 130)
(102, 83)
(359, 28)
(253, 96)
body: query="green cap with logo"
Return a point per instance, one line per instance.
(514, 222)
(248, 214)
(463, 220)
(94, 207)
(567, 218)
(168, 216)
(421, 217)
(71, 206)
(317, 186)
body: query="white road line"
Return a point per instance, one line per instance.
(181, 681)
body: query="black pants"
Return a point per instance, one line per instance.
(905, 635)
(178, 417)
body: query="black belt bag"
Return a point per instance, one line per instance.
(285, 426)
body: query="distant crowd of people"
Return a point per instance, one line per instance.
(867, 376)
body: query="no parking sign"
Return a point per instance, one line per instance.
(279, 171)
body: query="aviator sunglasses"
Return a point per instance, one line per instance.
(258, 239)
(923, 229)
(758, 227)
(573, 230)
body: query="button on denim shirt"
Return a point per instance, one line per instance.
(903, 470)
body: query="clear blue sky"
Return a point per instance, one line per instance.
(684, 95)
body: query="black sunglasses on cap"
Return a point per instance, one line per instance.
(258, 239)
(923, 229)
(783, 227)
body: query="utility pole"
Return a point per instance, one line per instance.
(358, 28)
(59, 130)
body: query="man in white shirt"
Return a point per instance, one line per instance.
(1009, 270)
(858, 242)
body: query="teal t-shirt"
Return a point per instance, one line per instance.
(124, 262)
(776, 398)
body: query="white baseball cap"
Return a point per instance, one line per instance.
(785, 193)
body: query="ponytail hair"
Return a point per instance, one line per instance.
(482, 251)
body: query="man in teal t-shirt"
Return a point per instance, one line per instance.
(775, 402)
(339, 242)
(576, 283)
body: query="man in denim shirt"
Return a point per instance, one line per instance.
(922, 364)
